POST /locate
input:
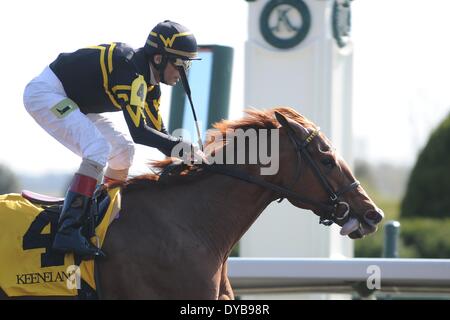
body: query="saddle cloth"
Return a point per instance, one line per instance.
(28, 265)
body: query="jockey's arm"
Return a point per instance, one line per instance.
(146, 127)
(146, 135)
(139, 102)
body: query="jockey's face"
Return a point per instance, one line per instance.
(171, 73)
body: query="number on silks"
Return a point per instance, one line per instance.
(141, 91)
(34, 239)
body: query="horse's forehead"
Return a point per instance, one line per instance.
(323, 143)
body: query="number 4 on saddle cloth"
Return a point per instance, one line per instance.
(28, 265)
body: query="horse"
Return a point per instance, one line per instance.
(177, 228)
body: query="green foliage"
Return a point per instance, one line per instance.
(389, 205)
(428, 188)
(370, 246)
(419, 238)
(235, 251)
(430, 238)
(427, 196)
(8, 180)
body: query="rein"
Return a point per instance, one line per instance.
(284, 192)
(301, 149)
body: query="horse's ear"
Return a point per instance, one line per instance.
(285, 122)
(289, 124)
(281, 119)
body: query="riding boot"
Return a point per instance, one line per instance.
(69, 237)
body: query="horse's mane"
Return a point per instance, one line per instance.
(263, 119)
(254, 119)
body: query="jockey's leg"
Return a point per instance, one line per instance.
(69, 237)
(122, 149)
(114, 176)
(47, 102)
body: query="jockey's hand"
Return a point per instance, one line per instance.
(189, 153)
(196, 156)
(182, 150)
(201, 157)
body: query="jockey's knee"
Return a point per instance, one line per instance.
(105, 149)
(98, 151)
(90, 168)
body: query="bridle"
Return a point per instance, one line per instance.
(328, 210)
(334, 196)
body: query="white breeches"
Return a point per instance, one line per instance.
(92, 136)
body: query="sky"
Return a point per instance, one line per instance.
(401, 67)
(401, 76)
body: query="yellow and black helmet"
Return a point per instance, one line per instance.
(171, 39)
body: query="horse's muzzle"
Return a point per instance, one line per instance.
(374, 217)
(357, 229)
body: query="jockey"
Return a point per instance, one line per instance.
(67, 100)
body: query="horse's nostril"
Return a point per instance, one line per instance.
(374, 216)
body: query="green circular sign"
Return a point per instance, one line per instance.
(285, 23)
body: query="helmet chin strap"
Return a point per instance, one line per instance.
(161, 67)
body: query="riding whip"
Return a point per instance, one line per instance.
(187, 89)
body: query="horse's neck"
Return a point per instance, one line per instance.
(213, 211)
(226, 208)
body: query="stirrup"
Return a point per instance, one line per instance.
(95, 252)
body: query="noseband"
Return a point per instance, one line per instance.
(334, 196)
(328, 210)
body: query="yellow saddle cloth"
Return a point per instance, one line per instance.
(28, 266)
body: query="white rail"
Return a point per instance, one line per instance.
(264, 275)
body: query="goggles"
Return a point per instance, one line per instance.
(178, 62)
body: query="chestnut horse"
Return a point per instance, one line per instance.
(176, 230)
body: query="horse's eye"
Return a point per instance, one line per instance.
(328, 162)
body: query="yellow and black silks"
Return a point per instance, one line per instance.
(115, 77)
(28, 266)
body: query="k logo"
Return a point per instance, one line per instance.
(285, 23)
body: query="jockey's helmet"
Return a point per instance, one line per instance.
(174, 42)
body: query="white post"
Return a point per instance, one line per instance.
(314, 76)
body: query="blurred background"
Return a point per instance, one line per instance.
(401, 99)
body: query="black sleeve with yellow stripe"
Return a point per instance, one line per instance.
(140, 101)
